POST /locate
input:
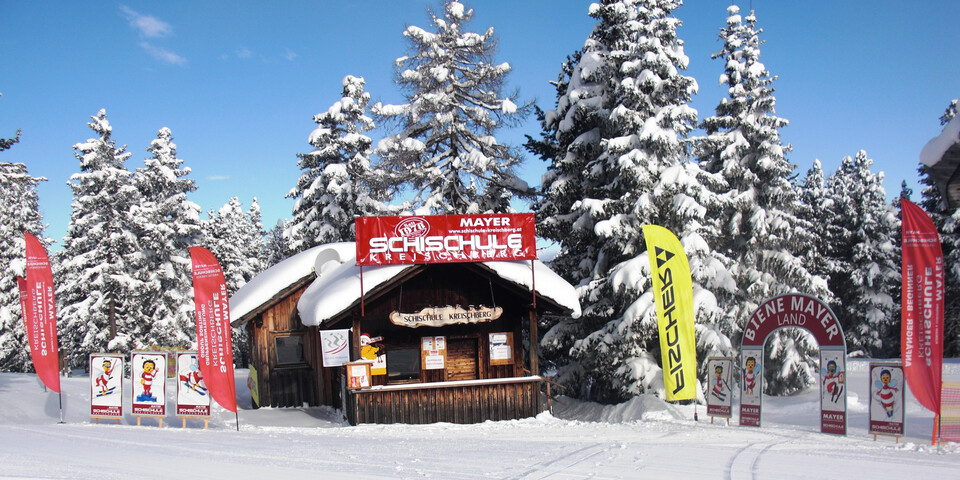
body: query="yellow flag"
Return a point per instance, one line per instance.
(673, 291)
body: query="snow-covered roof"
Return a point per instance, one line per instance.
(265, 286)
(338, 288)
(941, 155)
(337, 285)
(934, 150)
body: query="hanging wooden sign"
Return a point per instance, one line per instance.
(440, 316)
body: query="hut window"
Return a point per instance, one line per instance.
(403, 365)
(289, 349)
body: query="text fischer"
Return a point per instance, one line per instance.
(673, 343)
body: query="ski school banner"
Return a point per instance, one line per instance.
(921, 334)
(106, 385)
(445, 238)
(214, 345)
(40, 315)
(673, 294)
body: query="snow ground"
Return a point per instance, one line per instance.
(643, 438)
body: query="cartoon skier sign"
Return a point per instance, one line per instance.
(149, 383)
(193, 399)
(718, 391)
(106, 385)
(886, 399)
(833, 391)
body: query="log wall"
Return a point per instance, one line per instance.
(457, 402)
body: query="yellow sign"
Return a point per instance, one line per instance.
(673, 293)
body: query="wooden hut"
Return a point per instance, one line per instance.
(450, 342)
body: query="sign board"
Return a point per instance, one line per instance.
(833, 390)
(751, 386)
(106, 385)
(193, 399)
(719, 392)
(950, 412)
(886, 398)
(149, 381)
(358, 375)
(440, 316)
(433, 353)
(335, 346)
(445, 238)
(501, 348)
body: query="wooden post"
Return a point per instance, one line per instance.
(534, 344)
(355, 339)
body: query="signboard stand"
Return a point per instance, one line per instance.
(206, 421)
(106, 386)
(159, 419)
(96, 420)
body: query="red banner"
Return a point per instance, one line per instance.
(40, 315)
(445, 239)
(921, 330)
(214, 345)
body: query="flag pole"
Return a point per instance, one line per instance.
(60, 395)
(237, 415)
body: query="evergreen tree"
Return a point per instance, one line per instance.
(96, 292)
(621, 129)
(446, 158)
(758, 224)
(334, 185)
(277, 247)
(865, 266)
(167, 225)
(20, 213)
(235, 238)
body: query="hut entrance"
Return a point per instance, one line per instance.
(462, 359)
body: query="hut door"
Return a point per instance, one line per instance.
(462, 361)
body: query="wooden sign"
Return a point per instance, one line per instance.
(433, 353)
(440, 316)
(358, 375)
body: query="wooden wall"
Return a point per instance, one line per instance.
(463, 402)
(284, 385)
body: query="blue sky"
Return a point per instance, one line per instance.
(238, 83)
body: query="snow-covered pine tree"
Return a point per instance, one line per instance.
(758, 229)
(96, 292)
(167, 225)
(865, 266)
(235, 237)
(621, 128)
(20, 213)
(948, 224)
(277, 247)
(334, 185)
(446, 158)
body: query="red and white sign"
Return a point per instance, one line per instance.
(193, 399)
(886, 398)
(106, 385)
(719, 391)
(40, 315)
(149, 375)
(921, 335)
(214, 345)
(445, 239)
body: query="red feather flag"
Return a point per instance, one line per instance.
(40, 314)
(214, 346)
(921, 330)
